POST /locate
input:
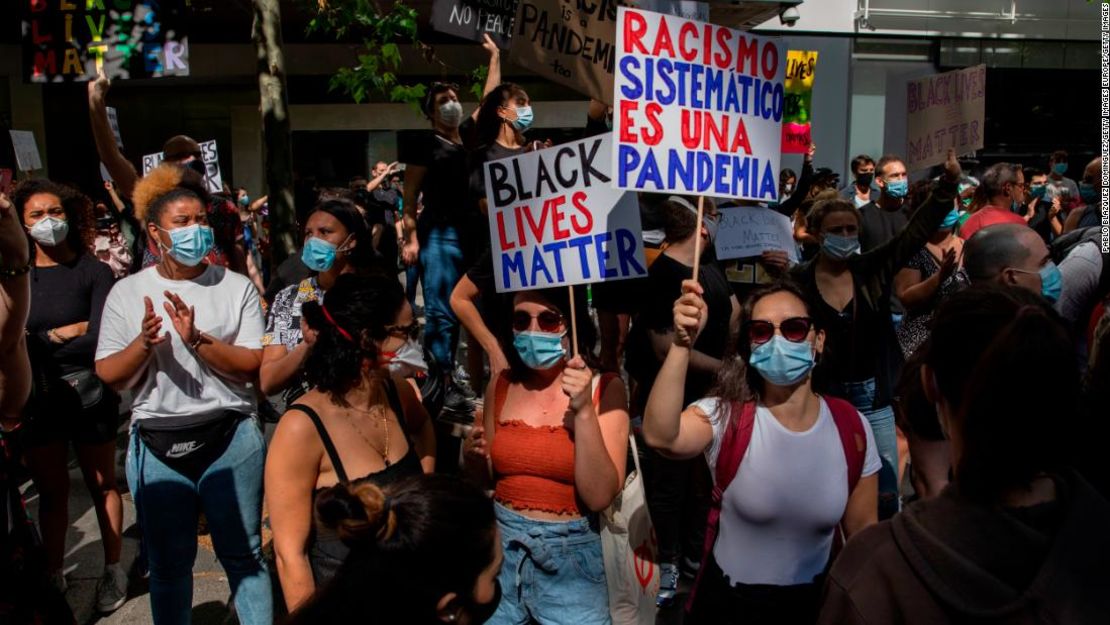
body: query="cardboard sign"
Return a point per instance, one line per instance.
(698, 108)
(470, 19)
(72, 40)
(556, 220)
(212, 179)
(945, 111)
(26, 150)
(801, 67)
(751, 230)
(113, 121)
(568, 43)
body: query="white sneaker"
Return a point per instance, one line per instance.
(111, 590)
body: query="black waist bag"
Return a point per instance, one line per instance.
(189, 449)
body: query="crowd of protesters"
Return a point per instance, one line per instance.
(896, 428)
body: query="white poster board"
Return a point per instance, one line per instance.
(212, 178)
(746, 231)
(26, 150)
(945, 111)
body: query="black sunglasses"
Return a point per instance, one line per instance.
(411, 331)
(549, 321)
(794, 329)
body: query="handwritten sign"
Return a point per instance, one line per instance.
(698, 108)
(470, 19)
(945, 111)
(751, 230)
(556, 220)
(801, 67)
(72, 40)
(567, 43)
(26, 150)
(211, 157)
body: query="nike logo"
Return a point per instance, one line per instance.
(180, 450)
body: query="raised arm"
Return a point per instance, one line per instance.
(792, 203)
(414, 178)
(121, 169)
(493, 76)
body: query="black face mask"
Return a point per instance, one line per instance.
(479, 613)
(865, 180)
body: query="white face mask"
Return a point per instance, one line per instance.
(50, 231)
(451, 114)
(408, 360)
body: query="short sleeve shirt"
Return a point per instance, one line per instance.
(446, 184)
(283, 325)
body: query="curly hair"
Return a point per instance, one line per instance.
(164, 184)
(356, 314)
(78, 208)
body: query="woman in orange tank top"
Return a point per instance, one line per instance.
(552, 447)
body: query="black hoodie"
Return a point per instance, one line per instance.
(952, 560)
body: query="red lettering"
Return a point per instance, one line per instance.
(627, 125)
(557, 217)
(520, 223)
(579, 201)
(505, 243)
(691, 129)
(723, 58)
(635, 27)
(770, 61)
(537, 229)
(663, 40)
(688, 30)
(45, 63)
(38, 6)
(740, 139)
(37, 37)
(746, 50)
(652, 111)
(716, 134)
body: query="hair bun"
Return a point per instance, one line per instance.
(358, 513)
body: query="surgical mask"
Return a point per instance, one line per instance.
(782, 362)
(1060, 168)
(50, 231)
(950, 220)
(840, 247)
(318, 254)
(865, 180)
(406, 361)
(897, 188)
(1038, 190)
(787, 189)
(189, 245)
(523, 118)
(451, 114)
(1087, 192)
(539, 350)
(1051, 281)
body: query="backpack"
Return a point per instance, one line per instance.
(734, 444)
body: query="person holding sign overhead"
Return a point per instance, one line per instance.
(850, 295)
(552, 447)
(436, 167)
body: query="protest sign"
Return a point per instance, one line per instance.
(698, 108)
(751, 230)
(556, 220)
(945, 111)
(72, 40)
(212, 178)
(470, 19)
(113, 121)
(26, 150)
(567, 43)
(680, 8)
(798, 110)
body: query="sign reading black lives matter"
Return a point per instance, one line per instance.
(471, 19)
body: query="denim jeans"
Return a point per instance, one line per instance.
(441, 268)
(168, 505)
(553, 572)
(862, 396)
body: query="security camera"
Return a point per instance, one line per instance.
(789, 16)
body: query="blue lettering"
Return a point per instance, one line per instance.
(720, 174)
(697, 72)
(705, 172)
(666, 68)
(732, 98)
(629, 161)
(513, 264)
(581, 243)
(555, 249)
(770, 189)
(650, 170)
(634, 90)
(538, 265)
(603, 254)
(675, 170)
(626, 251)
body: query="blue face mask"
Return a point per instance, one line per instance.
(1060, 168)
(950, 220)
(189, 245)
(245, 201)
(318, 254)
(1051, 282)
(840, 247)
(539, 350)
(897, 188)
(782, 362)
(1087, 192)
(1038, 190)
(523, 118)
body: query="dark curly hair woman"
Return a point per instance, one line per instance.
(68, 402)
(358, 425)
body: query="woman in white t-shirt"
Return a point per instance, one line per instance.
(194, 445)
(789, 465)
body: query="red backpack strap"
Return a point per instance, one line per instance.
(852, 437)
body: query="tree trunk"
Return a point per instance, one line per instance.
(276, 135)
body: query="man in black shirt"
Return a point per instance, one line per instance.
(884, 219)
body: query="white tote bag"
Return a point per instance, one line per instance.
(631, 552)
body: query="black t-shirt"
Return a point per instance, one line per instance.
(446, 183)
(63, 295)
(852, 337)
(493, 306)
(879, 225)
(664, 286)
(479, 228)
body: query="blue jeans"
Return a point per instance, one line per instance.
(862, 396)
(168, 505)
(553, 572)
(441, 268)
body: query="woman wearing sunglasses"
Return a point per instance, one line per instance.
(850, 295)
(359, 424)
(789, 465)
(552, 447)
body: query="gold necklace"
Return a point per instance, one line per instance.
(384, 452)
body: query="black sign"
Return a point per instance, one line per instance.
(470, 19)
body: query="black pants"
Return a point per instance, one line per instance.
(678, 493)
(720, 602)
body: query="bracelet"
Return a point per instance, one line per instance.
(15, 272)
(197, 341)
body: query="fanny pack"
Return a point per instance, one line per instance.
(88, 386)
(189, 449)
